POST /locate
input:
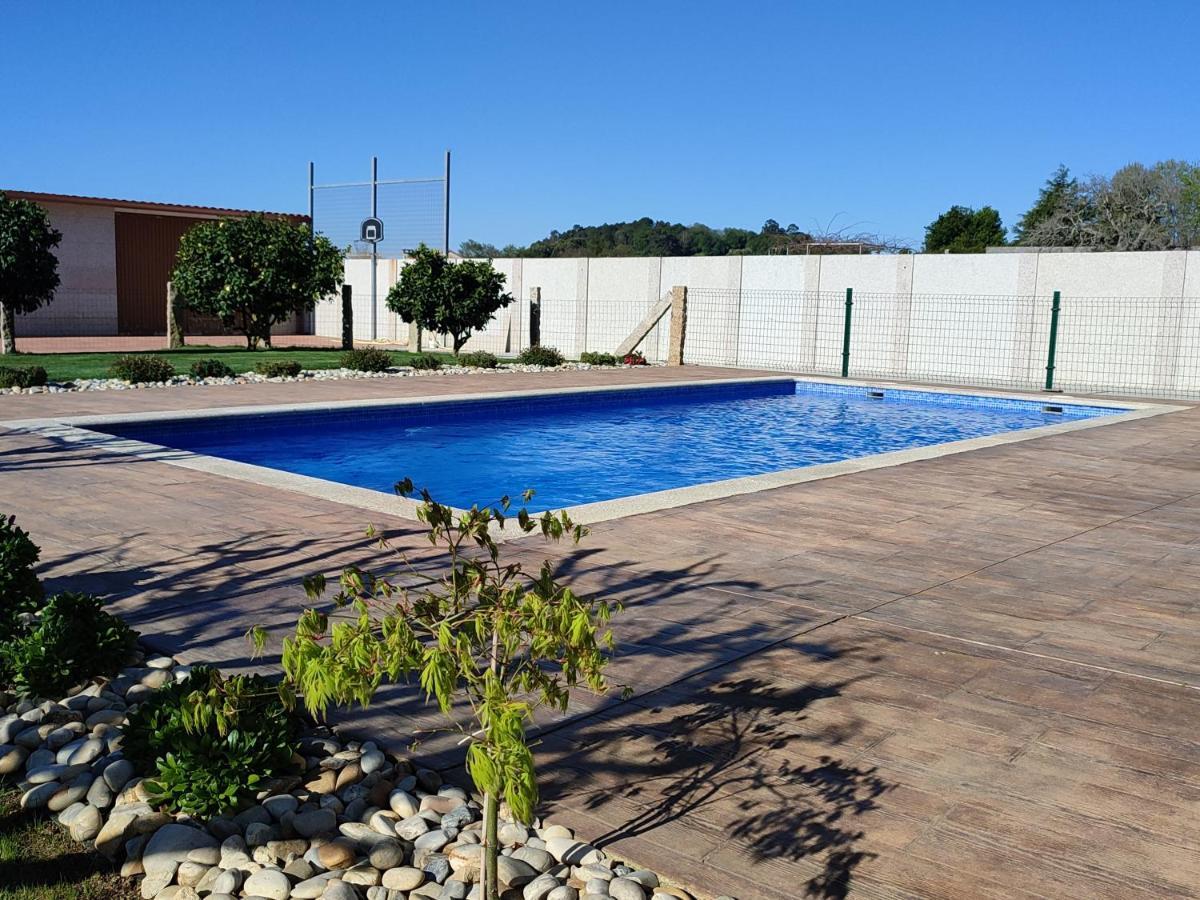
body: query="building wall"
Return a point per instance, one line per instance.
(86, 300)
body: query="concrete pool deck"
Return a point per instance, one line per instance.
(974, 675)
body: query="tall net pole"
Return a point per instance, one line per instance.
(374, 247)
(446, 209)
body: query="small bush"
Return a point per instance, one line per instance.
(72, 641)
(367, 359)
(480, 359)
(634, 359)
(598, 359)
(541, 356)
(278, 368)
(210, 742)
(27, 376)
(20, 590)
(210, 368)
(425, 361)
(142, 369)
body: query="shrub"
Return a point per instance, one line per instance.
(73, 640)
(480, 359)
(142, 369)
(278, 368)
(484, 636)
(253, 272)
(541, 356)
(598, 359)
(368, 359)
(210, 368)
(20, 590)
(634, 359)
(210, 742)
(425, 361)
(29, 376)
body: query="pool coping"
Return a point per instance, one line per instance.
(75, 430)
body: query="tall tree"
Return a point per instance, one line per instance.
(454, 298)
(1058, 189)
(255, 271)
(28, 266)
(478, 250)
(1138, 208)
(961, 229)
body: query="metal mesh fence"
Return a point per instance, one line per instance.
(1148, 346)
(412, 213)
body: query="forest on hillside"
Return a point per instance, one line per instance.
(648, 237)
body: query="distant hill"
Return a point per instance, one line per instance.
(647, 237)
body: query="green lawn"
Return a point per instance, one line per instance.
(69, 366)
(39, 861)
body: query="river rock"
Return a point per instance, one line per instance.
(315, 822)
(269, 883)
(387, 854)
(39, 795)
(12, 759)
(625, 889)
(514, 873)
(169, 847)
(86, 824)
(280, 804)
(403, 878)
(539, 859)
(337, 854)
(572, 852)
(117, 774)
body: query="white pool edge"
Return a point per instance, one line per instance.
(77, 430)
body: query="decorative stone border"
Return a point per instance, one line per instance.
(357, 824)
(116, 384)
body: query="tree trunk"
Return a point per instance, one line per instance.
(8, 324)
(491, 847)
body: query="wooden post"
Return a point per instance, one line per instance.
(347, 317)
(678, 325)
(535, 317)
(174, 327)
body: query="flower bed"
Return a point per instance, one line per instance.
(353, 821)
(115, 384)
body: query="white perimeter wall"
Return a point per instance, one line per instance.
(1130, 321)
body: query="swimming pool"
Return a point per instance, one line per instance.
(584, 447)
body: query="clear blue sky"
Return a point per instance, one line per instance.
(560, 113)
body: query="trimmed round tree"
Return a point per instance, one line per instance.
(254, 272)
(28, 266)
(454, 298)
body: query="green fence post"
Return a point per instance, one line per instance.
(1054, 308)
(846, 334)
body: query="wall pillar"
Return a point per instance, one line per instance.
(175, 338)
(678, 325)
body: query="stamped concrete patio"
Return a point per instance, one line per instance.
(973, 676)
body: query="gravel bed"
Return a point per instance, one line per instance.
(358, 823)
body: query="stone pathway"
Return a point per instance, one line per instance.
(970, 676)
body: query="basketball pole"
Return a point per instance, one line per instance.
(374, 245)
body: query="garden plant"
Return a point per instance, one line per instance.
(140, 368)
(540, 356)
(28, 266)
(485, 631)
(254, 272)
(211, 743)
(454, 298)
(367, 359)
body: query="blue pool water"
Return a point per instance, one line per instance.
(580, 448)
